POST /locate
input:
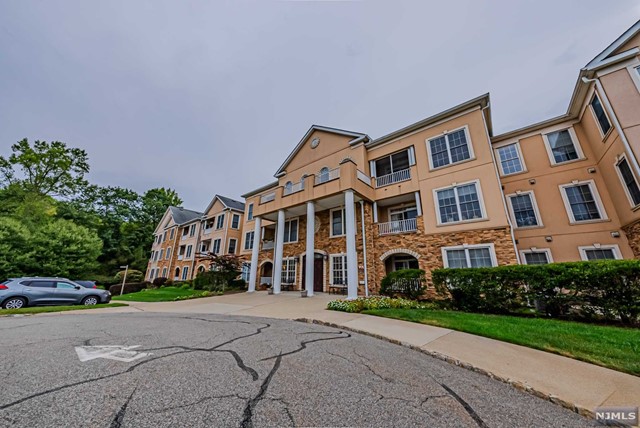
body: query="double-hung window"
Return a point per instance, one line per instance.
(161, 254)
(250, 212)
(235, 221)
(172, 233)
(216, 246)
(291, 230)
(450, 148)
(168, 253)
(337, 222)
(469, 256)
(582, 201)
(192, 231)
(628, 181)
(562, 147)
(600, 115)
(248, 240)
(232, 245)
(220, 222)
(185, 272)
(338, 269)
(537, 256)
(524, 210)
(600, 252)
(245, 273)
(189, 250)
(510, 159)
(289, 270)
(459, 203)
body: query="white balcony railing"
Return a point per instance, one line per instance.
(184, 237)
(208, 230)
(268, 197)
(394, 177)
(268, 245)
(180, 256)
(294, 188)
(398, 226)
(330, 175)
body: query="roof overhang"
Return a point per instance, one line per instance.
(260, 190)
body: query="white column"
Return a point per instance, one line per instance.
(253, 273)
(375, 212)
(352, 257)
(310, 254)
(277, 273)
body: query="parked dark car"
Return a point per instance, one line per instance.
(86, 284)
(17, 293)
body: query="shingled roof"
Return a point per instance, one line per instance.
(183, 215)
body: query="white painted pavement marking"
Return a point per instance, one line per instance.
(110, 352)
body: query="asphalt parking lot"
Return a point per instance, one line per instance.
(161, 370)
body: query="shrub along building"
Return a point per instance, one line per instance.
(182, 235)
(345, 209)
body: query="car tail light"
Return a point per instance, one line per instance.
(3, 287)
(94, 286)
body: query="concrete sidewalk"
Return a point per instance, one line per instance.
(571, 383)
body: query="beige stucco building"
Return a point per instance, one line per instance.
(183, 235)
(345, 209)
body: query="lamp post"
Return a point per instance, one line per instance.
(126, 269)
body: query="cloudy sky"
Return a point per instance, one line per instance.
(210, 96)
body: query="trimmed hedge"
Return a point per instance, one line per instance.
(406, 282)
(129, 287)
(603, 290)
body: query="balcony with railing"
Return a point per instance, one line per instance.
(268, 245)
(291, 188)
(326, 175)
(267, 197)
(398, 226)
(394, 177)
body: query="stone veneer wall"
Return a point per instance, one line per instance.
(429, 248)
(633, 237)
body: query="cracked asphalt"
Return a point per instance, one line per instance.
(224, 371)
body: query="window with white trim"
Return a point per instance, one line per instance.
(245, 272)
(250, 212)
(395, 162)
(220, 221)
(600, 115)
(459, 203)
(338, 269)
(232, 245)
(161, 254)
(629, 181)
(185, 272)
(235, 221)
(524, 210)
(248, 240)
(582, 202)
(561, 146)
(450, 148)
(168, 253)
(204, 246)
(291, 230)
(510, 159)
(216, 246)
(189, 250)
(176, 274)
(164, 272)
(537, 256)
(289, 270)
(164, 236)
(600, 252)
(192, 231)
(337, 222)
(469, 256)
(323, 176)
(172, 233)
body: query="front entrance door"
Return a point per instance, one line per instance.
(318, 274)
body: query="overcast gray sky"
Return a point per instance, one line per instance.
(210, 97)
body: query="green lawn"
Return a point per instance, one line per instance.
(613, 347)
(166, 294)
(44, 309)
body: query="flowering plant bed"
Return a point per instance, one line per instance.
(376, 302)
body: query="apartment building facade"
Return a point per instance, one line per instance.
(346, 209)
(182, 236)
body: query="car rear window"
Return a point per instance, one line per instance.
(41, 284)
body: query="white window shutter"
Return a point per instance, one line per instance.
(412, 156)
(372, 167)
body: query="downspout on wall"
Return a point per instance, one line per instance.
(364, 251)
